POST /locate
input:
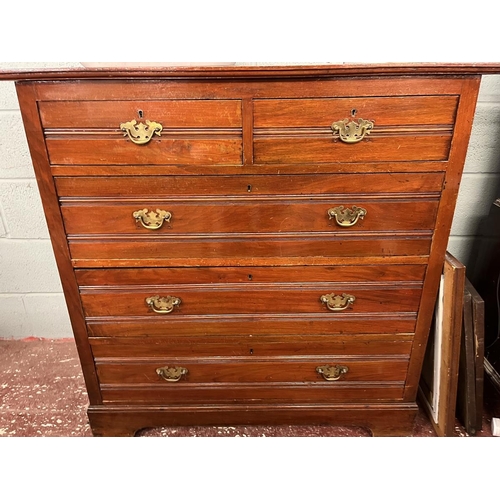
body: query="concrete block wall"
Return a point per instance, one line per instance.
(480, 184)
(31, 299)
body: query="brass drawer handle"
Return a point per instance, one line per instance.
(163, 305)
(332, 373)
(152, 220)
(338, 302)
(139, 133)
(350, 131)
(172, 373)
(346, 217)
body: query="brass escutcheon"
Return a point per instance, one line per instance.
(172, 373)
(350, 131)
(163, 305)
(346, 217)
(338, 302)
(332, 373)
(152, 220)
(140, 133)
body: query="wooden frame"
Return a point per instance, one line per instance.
(438, 384)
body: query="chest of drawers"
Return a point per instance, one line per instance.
(250, 245)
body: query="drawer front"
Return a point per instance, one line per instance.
(270, 215)
(184, 132)
(189, 380)
(148, 187)
(250, 300)
(286, 274)
(321, 392)
(221, 301)
(167, 251)
(236, 371)
(412, 128)
(184, 326)
(107, 349)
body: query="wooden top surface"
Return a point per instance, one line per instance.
(247, 71)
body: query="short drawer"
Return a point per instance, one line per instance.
(268, 215)
(181, 132)
(406, 128)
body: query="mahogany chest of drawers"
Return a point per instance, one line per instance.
(254, 245)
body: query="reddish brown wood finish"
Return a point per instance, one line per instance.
(253, 393)
(248, 371)
(308, 148)
(106, 348)
(250, 299)
(214, 71)
(255, 274)
(190, 150)
(383, 111)
(250, 186)
(231, 250)
(395, 419)
(263, 325)
(247, 164)
(204, 114)
(267, 215)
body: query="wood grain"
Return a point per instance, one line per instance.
(249, 299)
(248, 165)
(264, 325)
(242, 274)
(250, 186)
(106, 348)
(90, 114)
(267, 215)
(235, 249)
(383, 111)
(256, 370)
(186, 151)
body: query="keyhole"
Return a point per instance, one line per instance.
(140, 113)
(250, 277)
(251, 352)
(353, 112)
(249, 188)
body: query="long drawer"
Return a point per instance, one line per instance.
(117, 348)
(248, 394)
(251, 379)
(252, 249)
(191, 186)
(250, 299)
(243, 326)
(270, 215)
(254, 370)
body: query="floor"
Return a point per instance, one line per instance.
(43, 394)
